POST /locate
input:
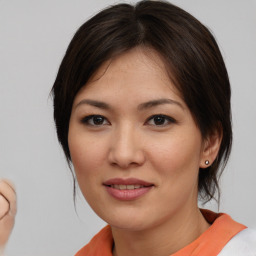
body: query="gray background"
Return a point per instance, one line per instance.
(33, 38)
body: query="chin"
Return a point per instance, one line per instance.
(129, 225)
(128, 221)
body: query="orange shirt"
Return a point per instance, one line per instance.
(210, 243)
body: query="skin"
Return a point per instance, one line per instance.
(7, 211)
(129, 143)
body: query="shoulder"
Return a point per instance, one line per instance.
(244, 243)
(100, 245)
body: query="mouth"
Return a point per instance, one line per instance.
(130, 183)
(127, 189)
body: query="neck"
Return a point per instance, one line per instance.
(168, 238)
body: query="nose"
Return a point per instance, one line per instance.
(126, 148)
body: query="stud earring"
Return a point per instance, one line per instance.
(207, 162)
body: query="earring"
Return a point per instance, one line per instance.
(207, 162)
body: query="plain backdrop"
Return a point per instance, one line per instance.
(33, 38)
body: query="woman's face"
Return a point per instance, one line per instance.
(135, 147)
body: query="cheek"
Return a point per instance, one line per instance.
(86, 158)
(177, 165)
(86, 154)
(177, 156)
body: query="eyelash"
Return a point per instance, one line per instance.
(86, 120)
(166, 118)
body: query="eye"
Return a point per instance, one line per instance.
(160, 120)
(95, 120)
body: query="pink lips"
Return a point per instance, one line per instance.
(127, 189)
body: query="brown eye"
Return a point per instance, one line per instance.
(98, 120)
(160, 120)
(95, 120)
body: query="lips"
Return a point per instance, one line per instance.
(127, 189)
(130, 181)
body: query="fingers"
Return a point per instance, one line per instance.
(7, 211)
(4, 207)
(7, 198)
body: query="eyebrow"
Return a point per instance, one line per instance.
(153, 103)
(95, 103)
(142, 106)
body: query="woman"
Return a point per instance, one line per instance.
(142, 111)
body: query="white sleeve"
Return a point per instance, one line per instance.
(242, 244)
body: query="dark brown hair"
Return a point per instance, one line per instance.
(191, 56)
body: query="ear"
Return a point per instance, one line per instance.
(210, 148)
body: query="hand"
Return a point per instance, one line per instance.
(7, 211)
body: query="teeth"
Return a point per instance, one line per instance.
(128, 187)
(122, 187)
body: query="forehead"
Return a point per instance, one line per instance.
(140, 70)
(144, 59)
